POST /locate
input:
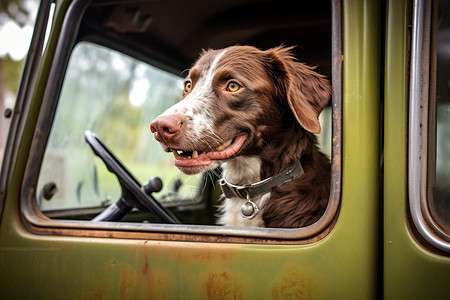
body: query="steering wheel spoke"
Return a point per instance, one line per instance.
(132, 192)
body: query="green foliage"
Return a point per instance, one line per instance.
(97, 96)
(13, 10)
(11, 73)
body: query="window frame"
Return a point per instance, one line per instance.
(421, 131)
(37, 222)
(24, 94)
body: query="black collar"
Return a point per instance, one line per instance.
(249, 191)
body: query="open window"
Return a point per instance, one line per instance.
(120, 64)
(116, 97)
(429, 143)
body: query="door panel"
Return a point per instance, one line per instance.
(107, 262)
(411, 270)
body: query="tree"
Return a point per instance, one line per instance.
(13, 10)
(10, 10)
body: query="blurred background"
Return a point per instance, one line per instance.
(116, 95)
(16, 27)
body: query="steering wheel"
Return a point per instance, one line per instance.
(132, 191)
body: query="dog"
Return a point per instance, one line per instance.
(254, 113)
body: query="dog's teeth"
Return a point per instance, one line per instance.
(175, 153)
(221, 147)
(195, 154)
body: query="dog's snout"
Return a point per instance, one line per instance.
(166, 128)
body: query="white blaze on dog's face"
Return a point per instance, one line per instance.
(234, 102)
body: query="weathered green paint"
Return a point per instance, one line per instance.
(343, 265)
(410, 271)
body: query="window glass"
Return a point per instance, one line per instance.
(115, 97)
(440, 204)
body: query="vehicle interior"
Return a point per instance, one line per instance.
(171, 34)
(127, 65)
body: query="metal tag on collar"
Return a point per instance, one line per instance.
(249, 209)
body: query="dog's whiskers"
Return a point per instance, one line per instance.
(210, 140)
(218, 140)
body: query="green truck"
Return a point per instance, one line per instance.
(79, 147)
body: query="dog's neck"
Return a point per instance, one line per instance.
(242, 170)
(282, 151)
(279, 154)
(248, 191)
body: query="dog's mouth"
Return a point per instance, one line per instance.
(196, 158)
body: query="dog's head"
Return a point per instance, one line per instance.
(234, 100)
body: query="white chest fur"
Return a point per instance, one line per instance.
(242, 170)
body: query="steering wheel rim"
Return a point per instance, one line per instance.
(131, 188)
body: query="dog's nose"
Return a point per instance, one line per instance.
(166, 127)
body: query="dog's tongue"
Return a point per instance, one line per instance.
(206, 158)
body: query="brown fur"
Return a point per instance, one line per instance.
(291, 99)
(303, 201)
(278, 107)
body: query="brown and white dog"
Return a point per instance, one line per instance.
(254, 113)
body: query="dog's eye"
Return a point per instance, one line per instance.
(187, 87)
(233, 87)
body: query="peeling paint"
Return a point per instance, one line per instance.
(222, 285)
(293, 284)
(144, 283)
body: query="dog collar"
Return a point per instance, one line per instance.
(248, 191)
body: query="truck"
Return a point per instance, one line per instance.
(92, 208)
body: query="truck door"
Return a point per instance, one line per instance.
(416, 242)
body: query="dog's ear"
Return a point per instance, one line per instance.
(307, 91)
